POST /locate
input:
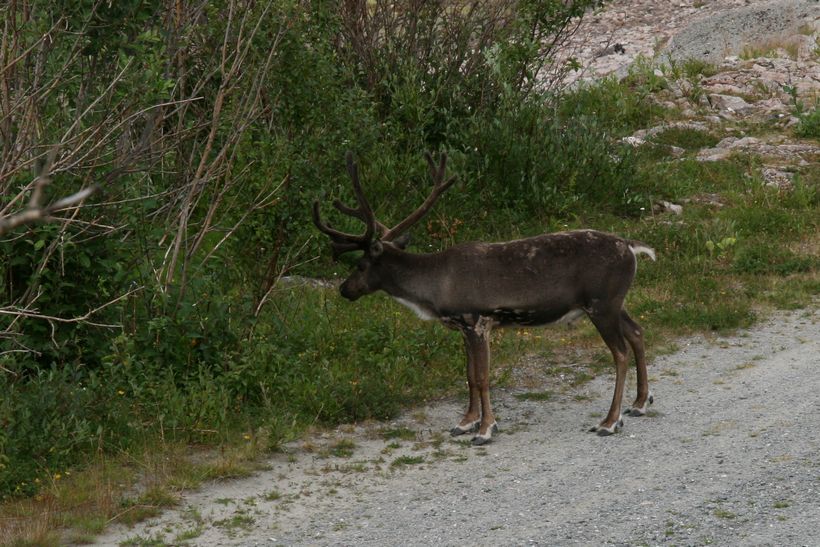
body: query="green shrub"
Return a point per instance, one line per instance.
(539, 164)
(809, 126)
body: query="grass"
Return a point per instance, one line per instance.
(809, 125)
(401, 433)
(239, 521)
(321, 360)
(343, 448)
(85, 500)
(687, 138)
(273, 495)
(689, 289)
(403, 461)
(724, 514)
(534, 396)
(771, 48)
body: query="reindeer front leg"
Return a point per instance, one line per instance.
(477, 345)
(478, 338)
(470, 422)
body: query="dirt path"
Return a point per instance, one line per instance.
(729, 454)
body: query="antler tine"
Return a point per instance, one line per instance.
(338, 249)
(335, 235)
(358, 214)
(342, 242)
(437, 172)
(364, 212)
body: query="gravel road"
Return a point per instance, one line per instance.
(729, 454)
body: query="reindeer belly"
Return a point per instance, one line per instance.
(511, 317)
(505, 317)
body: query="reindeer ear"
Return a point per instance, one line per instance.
(376, 249)
(402, 241)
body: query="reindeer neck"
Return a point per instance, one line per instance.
(409, 276)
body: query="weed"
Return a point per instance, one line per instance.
(581, 377)
(534, 396)
(343, 448)
(189, 534)
(403, 461)
(239, 520)
(809, 125)
(157, 540)
(771, 48)
(686, 137)
(402, 433)
(272, 495)
(724, 514)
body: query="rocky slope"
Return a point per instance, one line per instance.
(743, 70)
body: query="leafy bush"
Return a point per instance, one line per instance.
(809, 126)
(541, 164)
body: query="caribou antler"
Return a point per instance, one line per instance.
(439, 186)
(342, 242)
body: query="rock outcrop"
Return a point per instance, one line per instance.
(775, 23)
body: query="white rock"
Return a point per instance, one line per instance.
(728, 103)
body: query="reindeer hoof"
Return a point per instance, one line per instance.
(640, 411)
(606, 431)
(462, 429)
(478, 440)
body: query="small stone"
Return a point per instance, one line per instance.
(728, 103)
(667, 206)
(775, 178)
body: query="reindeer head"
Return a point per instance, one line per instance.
(377, 241)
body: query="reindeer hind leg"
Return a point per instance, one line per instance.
(634, 335)
(609, 327)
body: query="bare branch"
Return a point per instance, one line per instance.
(81, 318)
(36, 214)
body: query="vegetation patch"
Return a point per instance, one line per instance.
(198, 326)
(403, 461)
(687, 138)
(343, 448)
(402, 433)
(534, 396)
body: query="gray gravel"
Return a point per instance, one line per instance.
(729, 455)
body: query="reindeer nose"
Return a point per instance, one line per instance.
(345, 291)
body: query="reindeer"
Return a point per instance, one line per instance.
(475, 287)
